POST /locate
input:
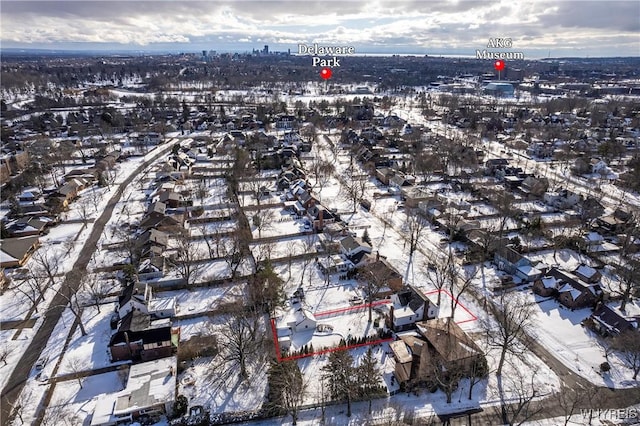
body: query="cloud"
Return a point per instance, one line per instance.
(407, 25)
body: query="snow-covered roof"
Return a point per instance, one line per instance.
(149, 384)
(549, 282)
(575, 293)
(401, 351)
(162, 304)
(586, 271)
(529, 270)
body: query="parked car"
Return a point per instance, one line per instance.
(42, 362)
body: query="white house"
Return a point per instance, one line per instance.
(409, 306)
(351, 246)
(300, 319)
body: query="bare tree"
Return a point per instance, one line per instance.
(373, 278)
(438, 273)
(84, 210)
(234, 249)
(47, 262)
(128, 244)
(568, 399)
(627, 344)
(94, 290)
(240, 340)
(414, 228)
(292, 249)
(5, 351)
(23, 401)
(60, 415)
(187, 258)
(77, 366)
(353, 187)
(33, 287)
(263, 221)
(513, 323)
(202, 190)
(308, 244)
(519, 407)
(72, 297)
(460, 284)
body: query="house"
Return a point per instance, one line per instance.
(139, 337)
(16, 251)
(173, 199)
(591, 240)
(142, 345)
(152, 243)
(139, 297)
(413, 195)
(335, 263)
(404, 360)
(27, 226)
(615, 222)
(384, 174)
(408, 306)
(609, 322)
(300, 319)
(320, 216)
(383, 271)
(29, 195)
(587, 274)
(573, 293)
(600, 167)
(563, 199)
(285, 122)
(512, 262)
(351, 246)
(150, 391)
(536, 187)
(440, 345)
(156, 217)
(152, 268)
(494, 164)
(133, 298)
(546, 286)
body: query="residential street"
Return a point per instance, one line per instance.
(20, 374)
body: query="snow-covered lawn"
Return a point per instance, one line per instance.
(204, 299)
(560, 331)
(230, 395)
(90, 352)
(75, 404)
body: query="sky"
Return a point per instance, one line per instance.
(537, 28)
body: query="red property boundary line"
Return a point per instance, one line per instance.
(460, 305)
(279, 358)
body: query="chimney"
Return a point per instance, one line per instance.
(126, 339)
(320, 218)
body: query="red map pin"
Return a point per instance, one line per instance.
(499, 65)
(325, 73)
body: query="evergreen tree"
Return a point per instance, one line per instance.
(286, 389)
(340, 373)
(365, 237)
(369, 377)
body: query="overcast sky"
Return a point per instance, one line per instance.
(537, 28)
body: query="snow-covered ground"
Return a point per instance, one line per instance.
(90, 352)
(560, 331)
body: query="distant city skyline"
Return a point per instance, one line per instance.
(538, 29)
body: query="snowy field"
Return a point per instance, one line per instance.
(560, 331)
(90, 352)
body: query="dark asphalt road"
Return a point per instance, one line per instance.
(21, 372)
